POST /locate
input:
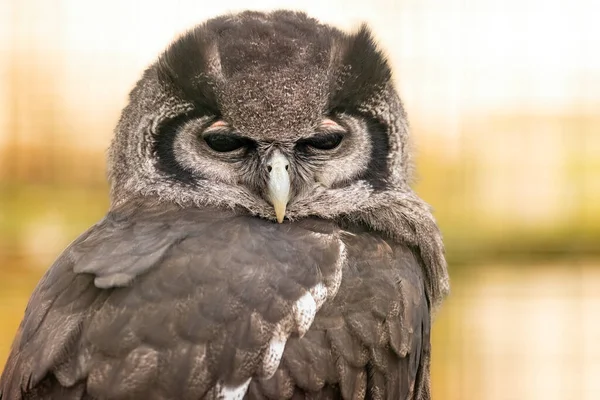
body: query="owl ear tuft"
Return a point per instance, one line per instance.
(187, 66)
(363, 71)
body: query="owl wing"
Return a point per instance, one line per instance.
(171, 303)
(371, 341)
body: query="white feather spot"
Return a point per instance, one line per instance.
(319, 293)
(273, 354)
(304, 313)
(333, 281)
(325, 237)
(225, 392)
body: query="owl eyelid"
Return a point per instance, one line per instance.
(218, 125)
(324, 141)
(331, 124)
(226, 142)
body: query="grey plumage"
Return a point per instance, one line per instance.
(187, 289)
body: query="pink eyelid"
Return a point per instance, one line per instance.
(218, 124)
(326, 123)
(329, 123)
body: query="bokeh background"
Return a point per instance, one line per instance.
(504, 103)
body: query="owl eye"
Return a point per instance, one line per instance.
(325, 141)
(224, 143)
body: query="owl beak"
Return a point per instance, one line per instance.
(279, 183)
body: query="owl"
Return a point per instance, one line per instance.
(263, 240)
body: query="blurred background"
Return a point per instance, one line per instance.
(504, 103)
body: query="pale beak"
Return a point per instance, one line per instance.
(279, 184)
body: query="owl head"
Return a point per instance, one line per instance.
(279, 116)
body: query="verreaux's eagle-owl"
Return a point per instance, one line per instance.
(190, 289)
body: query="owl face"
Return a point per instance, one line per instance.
(270, 112)
(332, 151)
